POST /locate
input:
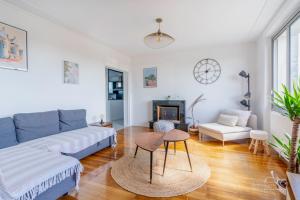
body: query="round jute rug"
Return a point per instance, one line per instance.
(132, 174)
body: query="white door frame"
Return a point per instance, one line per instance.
(126, 97)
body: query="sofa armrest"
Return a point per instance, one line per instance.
(252, 122)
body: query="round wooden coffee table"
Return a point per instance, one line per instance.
(149, 141)
(176, 135)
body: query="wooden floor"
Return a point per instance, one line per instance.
(235, 172)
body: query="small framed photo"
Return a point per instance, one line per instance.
(150, 77)
(71, 72)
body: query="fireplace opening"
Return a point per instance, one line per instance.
(171, 110)
(171, 113)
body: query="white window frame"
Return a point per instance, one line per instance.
(285, 27)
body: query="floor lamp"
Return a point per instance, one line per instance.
(246, 101)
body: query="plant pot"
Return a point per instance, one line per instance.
(193, 130)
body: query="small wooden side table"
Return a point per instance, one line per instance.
(104, 124)
(176, 135)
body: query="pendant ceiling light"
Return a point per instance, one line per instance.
(158, 39)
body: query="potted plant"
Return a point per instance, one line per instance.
(289, 103)
(285, 148)
(194, 127)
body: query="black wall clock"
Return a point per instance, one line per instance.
(207, 71)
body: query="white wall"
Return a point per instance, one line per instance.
(175, 78)
(271, 121)
(42, 88)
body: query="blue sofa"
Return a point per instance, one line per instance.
(25, 127)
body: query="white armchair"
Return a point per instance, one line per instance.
(227, 133)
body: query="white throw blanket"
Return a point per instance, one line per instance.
(71, 142)
(26, 172)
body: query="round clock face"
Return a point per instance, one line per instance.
(207, 71)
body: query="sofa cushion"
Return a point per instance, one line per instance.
(228, 120)
(224, 129)
(7, 133)
(243, 115)
(72, 119)
(30, 126)
(74, 141)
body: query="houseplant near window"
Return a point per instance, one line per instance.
(289, 102)
(285, 148)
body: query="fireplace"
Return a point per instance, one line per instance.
(172, 110)
(170, 113)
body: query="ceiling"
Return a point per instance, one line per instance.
(122, 24)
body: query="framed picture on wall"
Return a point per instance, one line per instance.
(150, 77)
(13, 48)
(71, 72)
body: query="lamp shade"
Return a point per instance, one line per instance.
(247, 95)
(158, 39)
(244, 103)
(243, 74)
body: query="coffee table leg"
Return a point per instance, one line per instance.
(174, 147)
(137, 147)
(166, 153)
(151, 159)
(187, 151)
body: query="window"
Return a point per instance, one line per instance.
(295, 53)
(286, 54)
(280, 60)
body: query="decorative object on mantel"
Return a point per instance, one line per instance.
(194, 128)
(71, 72)
(158, 39)
(289, 103)
(173, 97)
(246, 102)
(207, 71)
(150, 77)
(13, 48)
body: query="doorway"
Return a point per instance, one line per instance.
(115, 98)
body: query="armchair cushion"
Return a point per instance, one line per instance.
(242, 114)
(228, 120)
(215, 127)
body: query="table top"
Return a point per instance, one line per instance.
(176, 135)
(294, 182)
(149, 141)
(104, 124)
